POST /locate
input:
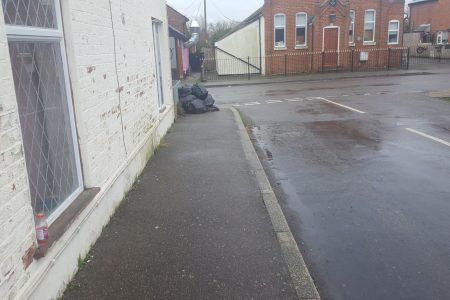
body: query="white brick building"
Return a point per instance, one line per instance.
(85, 97)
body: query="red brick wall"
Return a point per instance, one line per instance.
(436, 13)
(386, 10)
(177, 20)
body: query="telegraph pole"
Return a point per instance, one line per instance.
(206, 21)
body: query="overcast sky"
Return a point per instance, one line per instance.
(218, 10)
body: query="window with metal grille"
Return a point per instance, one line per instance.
(280, 30)
(301, 30)
(36, 47)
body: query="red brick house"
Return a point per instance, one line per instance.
(431, 18)
(319, 25)
(179, 55)
(293, 28)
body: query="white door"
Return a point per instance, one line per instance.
(157, 50)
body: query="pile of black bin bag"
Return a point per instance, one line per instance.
(196, 99)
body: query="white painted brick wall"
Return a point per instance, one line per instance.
(90, 44)
(91, 62)
(16, 216)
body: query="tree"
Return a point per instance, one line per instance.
(216, 31)
(219, 30)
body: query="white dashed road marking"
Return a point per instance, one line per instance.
(298, 100)
(429, 136)
(341, 105)
(252, 103)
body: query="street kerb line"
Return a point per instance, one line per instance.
(429, 137)
(294, 100)
(341, 105)
(301, 278)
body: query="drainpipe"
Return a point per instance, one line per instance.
(260, 46)
(312, 43)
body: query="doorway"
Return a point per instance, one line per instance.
(157, 26)
(331, 47)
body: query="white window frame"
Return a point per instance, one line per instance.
(397, 32)
(439, 38)
(443, 33)
(275, 30)
(297, 26)
(157, 26)
(352, 25)
(37, 34)
(374, 22)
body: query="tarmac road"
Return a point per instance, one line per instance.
(363, 168)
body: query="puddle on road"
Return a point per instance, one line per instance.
(321, 108)
(348, 132)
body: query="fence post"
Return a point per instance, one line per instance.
(408, 57)
(440, 53)
(285, 65)
(323, 59)
(203, 79)
(248, 67)
(353, 58)
(389, 58)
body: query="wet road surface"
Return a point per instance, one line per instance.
(363, 170)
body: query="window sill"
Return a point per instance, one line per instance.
(370, 43)
(59, 227)
(280, 48)
(351, 45)
(391, 44)
(301, 47)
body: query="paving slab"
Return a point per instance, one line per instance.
(194, 226)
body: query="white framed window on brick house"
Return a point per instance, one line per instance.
(280, 30)
(442, 38)
(393, 32)
(301, 30)
(351, 29)
(38, 60)
(369, 26)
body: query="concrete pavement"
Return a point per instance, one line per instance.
(194, 227)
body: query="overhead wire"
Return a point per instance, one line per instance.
(189, 6)
(220, 12)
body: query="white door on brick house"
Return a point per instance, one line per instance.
(36, 46)
(157, 25)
